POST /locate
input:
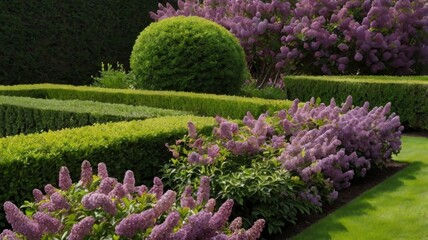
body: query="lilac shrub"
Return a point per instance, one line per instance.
(320, 37)
(338, 142)
(303, 155)
(351, 37)
(100, 207)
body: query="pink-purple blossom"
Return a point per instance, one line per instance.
(157, 188)
(81, 229)
(107, 184)
(192, 130)
(187, 199)
(8, 235)
(256, 230)
(165, 202)
(21, 223)
(129, 182)
(59, 201)
(102, 170)
(236, 224)
(38, 195)
(47, 223)
(134, 223)
(210, 205)
(64, 178)
(203, 193)
(94, 200)
(49, 189)
(163, 231)
(221, 216)
(86, 173)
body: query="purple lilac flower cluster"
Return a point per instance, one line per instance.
(320, 37)
(122, 210)
(324, 145)
(348, 141)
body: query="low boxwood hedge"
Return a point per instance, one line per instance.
(29, 115)
(202, 104)
(30, 161)
(408, 95)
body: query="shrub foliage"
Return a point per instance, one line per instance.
(201, 104)
(27, 161)
(188, 54)
(30, 115)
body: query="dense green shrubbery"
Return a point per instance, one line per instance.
(268, 92)
(188, 54)
(409, 95)
(64, 42)
(114, 77)
(202, 104)
(29, 115)
(27, 162)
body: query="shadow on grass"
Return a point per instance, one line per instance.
(359, 206)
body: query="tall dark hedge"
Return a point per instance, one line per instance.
(66, 41)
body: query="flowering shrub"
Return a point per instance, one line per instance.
(320, 37)
(294, 161)
(101, 207)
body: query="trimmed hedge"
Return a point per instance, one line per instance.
(30, 161)
(191, 54)
(202, 104)
(408, 95)
(66, 41)
(29, 115)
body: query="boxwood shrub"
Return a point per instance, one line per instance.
(408, 95)
(29, 115)
(30, 161)
(201, 104)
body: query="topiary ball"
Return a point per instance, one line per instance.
(188, 54)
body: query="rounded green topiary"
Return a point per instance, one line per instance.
(188, 54)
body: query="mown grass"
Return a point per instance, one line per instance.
(395, 209)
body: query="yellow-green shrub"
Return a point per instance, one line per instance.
(201, 104)
(408, 95)
(29, 115)
(28, 162)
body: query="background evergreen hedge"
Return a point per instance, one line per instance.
(66, 41)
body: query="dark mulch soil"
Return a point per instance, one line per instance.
(357, 188)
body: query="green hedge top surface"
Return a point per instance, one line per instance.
(94, 108)
(32, 161)
(408, 95)
(367, 79)
(202, 104)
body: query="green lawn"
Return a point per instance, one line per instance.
(395, 209)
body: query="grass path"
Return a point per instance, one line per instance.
(395, 209)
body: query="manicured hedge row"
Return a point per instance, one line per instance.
(202, 104)
(66, 41)
(29, 115)
(408, 95)
(29, 161)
